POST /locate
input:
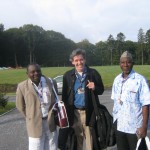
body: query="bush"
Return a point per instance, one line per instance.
(8, 88)
(3, 98)
(9, 106)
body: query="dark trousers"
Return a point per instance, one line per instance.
(125, 141)
(62, 138)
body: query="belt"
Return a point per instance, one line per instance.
(44, 118)
(83, 108)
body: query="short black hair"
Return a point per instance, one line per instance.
(33, 64)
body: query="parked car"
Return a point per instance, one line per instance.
(59, 81)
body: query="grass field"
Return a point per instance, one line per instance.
(108, 73)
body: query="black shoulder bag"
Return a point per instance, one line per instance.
(102, 130)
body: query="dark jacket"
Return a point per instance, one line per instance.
(68, 92)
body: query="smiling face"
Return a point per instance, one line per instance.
(79, 62)
(34, 73)
(126, 65)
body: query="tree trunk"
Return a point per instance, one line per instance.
(16, 63)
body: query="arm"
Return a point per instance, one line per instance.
(20, 103)
(142, 132)
(145, 101)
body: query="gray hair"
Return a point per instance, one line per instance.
(77, 52)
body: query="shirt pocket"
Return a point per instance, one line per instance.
(133, 93)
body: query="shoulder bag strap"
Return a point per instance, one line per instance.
(94, 104)
(57, 99)
(93, 97)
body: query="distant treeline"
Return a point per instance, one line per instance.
(31, 43)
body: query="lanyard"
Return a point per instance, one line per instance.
(39, 91)
(81, 78)
(119, 100)
(122, 87)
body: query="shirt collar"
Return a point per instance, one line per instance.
(40, 83)
(131, 75)
(84, 70)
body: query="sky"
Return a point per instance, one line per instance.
(77, 20)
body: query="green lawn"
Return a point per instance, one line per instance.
(9, 106)
(108, 73)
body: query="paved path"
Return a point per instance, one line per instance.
(13, 135)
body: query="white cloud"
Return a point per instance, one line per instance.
(94, 20)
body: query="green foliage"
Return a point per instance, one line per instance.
(31, 43)
(1, 27)
(9, 106)
(3, 98)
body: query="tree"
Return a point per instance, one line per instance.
(1, 43)
(1, 27)
(89, 48)
(54, 49)
(102, 54)
(147, 40)
(32, 36)
(147, 36)
(131, 47)
(14, 38)
(120, 40)
(121, 37)
(31, 43)
(141, 41)
(111, 42)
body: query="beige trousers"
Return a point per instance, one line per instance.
(81, 130)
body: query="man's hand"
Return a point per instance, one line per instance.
(91, 85)
(141, 132)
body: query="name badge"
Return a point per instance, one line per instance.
(81, 91)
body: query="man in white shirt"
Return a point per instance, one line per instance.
(131, 96)
(34, 99)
